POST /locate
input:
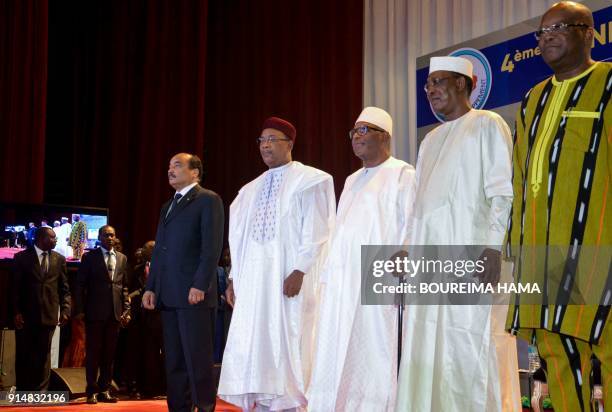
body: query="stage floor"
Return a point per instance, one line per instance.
(121, 406)
(9, 252)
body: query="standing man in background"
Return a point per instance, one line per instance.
(78, 237)
(62, 230)
(31, 234)
(40, 290)
(182, 283)
(64, 236)
(101, 298)
(224, 309)
(144, 360)
(562, 206)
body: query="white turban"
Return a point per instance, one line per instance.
(451, 64)
(377, 117)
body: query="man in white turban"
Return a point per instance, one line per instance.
(63, 233)
(355, 361)
(463, 197)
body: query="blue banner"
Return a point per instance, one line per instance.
(507, 70)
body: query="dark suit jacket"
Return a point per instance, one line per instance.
(96, 295)
(36, 296)
(187, 247)
(137, 283)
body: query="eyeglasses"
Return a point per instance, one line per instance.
(558, 28)
(435, 82)
(363, 130)
(269, 139)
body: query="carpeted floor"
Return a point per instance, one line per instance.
(121, 406)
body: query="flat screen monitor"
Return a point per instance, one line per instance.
(19, 221)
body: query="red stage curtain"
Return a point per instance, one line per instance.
(131, 83)
(126, 92)
(23, 95)
(301, 60)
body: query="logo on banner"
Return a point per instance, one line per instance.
(483, 77)
(482, 73)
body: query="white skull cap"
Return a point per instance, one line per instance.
(451, 64)
(377, 117)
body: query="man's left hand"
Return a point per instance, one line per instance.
(293, 283)
(492, 267)
(195, 296)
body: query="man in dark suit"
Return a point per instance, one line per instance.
(101, 297)
(40, 289)
(144, 359)
(31, 234)
(182, 283)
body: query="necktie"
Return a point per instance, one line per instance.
(109, 264)
(44, 265)
(176, 199)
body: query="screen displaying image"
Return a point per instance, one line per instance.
(92, 234)
(74, 226)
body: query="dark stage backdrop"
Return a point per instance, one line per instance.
(23, 96)
(126, 91)
(301, 60)
(132, 82)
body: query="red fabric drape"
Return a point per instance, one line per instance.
(23, 95)
(126, 92)
(301, 60)
(131, 83)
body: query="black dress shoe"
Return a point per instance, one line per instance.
(106, 397)
(92, 399)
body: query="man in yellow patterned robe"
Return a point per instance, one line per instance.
(560, 231)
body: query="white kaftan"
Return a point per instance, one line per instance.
(355, 361)
(279, 222)
(464, 194)
(62, 234)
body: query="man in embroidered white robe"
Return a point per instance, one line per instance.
(279, 225)
(464, 194)
(355, 361)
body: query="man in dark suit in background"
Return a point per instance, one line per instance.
(40, 289)
(31, 234)
(144, 358)
(101, 297)
(182, 283)
(224, 309)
